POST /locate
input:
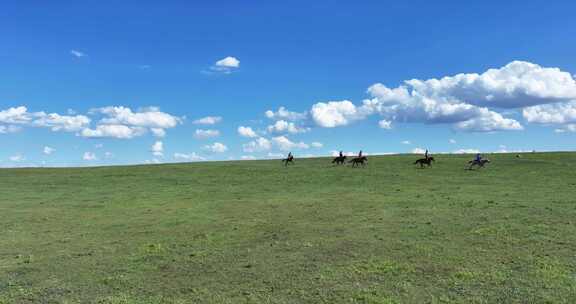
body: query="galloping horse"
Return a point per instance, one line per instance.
(359, 161)
(480, 163)
(289, 159)
(425, 161)
(339, 160)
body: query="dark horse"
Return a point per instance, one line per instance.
(339, 160)
(479, 163)
(362, 160)
(425, 161)
(289, 159)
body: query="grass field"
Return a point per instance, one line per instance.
(256, 232)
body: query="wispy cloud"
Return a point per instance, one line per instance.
(77, 54)
(208, 120)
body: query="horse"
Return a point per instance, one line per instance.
(425, 161)
(339, 160)
(289, 159)
(359, 161)
(480, 163)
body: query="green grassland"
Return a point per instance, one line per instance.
(256, 232)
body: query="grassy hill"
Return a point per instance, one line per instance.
(256, 232)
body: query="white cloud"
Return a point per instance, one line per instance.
(284, 114)
(452, 141)
(204, 134)
(515, 85)
(17, 158)
(157, 149)
(150, 117)
(216, 147)
(566, 128)
(208, 120)
(406, 142)
(119, 122)
(15, 115)
(385, 124)
(48, 150)
(188, 157)
(558, 113)
(283, 126)
(335, 153)
(226, 65)
(246, 132)
(418, 151)
(108, 155)
(489, 121)
(336, 113)
(286, 144)
(275, 155)
(228, 62)
(402, 105)
(113, 131)
(316, 144)
(89, 156)
(466, 151)
(9, 129)
(58, 122)
(77, 54)
(248, 157)
(158, 132)
(463, 99)
(258, 145)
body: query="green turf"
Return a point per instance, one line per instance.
(256, 232)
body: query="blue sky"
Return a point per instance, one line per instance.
(109, 82)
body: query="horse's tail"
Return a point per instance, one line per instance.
(417, 161)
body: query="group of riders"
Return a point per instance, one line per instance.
(361, 160)
(477, 161)
(339, 160)
(356, 161)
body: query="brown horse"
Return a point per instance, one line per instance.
(289, 159)
(339, 160)
(480, 163)
(362, 160)
(425, 161)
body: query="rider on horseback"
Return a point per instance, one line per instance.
(478, 158)
(341, 154)
(290, 156)
(426, 155)
(360, 154)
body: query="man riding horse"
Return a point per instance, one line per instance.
(478, 161)
(289, 159)
(427, 160)
(360, 160)
(340, 159)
